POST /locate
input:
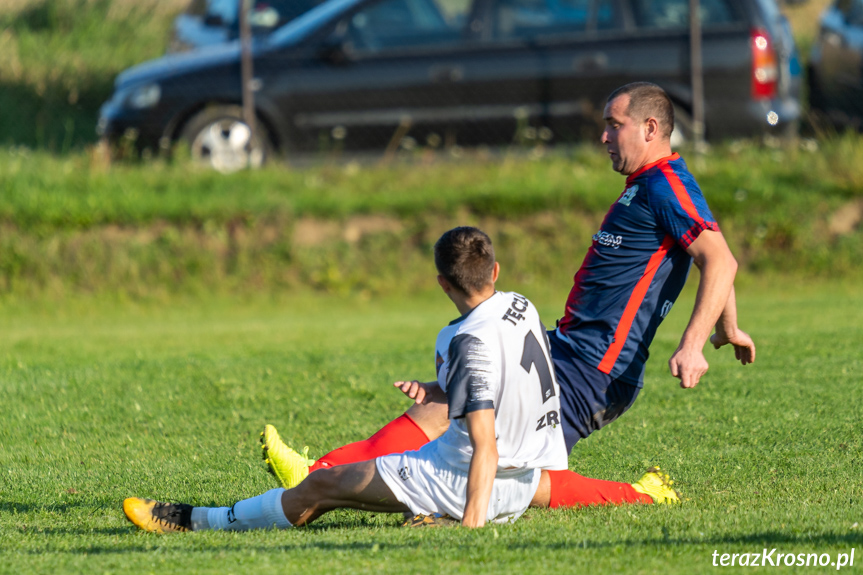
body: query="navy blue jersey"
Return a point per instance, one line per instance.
(635, 269)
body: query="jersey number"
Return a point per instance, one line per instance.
(533, 356)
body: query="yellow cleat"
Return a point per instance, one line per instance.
(158, 517)
(657, 485)
(289, 467)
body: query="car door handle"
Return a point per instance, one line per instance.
(590, 62)
(446, 74)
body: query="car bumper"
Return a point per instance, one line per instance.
(146, 129)
(756, 118)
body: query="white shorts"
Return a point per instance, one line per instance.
(427, 484)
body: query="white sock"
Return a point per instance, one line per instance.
(199, 518)
(261, 512)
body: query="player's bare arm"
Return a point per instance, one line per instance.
(483, 466)
(718, 268)
(429, 410)
(422, 392)
(727, 332)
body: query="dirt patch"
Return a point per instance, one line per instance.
(359, 226)
(314, 232)
(846, 219)
(310, 232)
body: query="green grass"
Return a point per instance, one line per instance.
(60, 58)
(103, 401)
(76, 192)
(69, 225)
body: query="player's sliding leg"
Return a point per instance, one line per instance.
(357, 486)
(354, 486)
(569, 489)
(657, 485)
(408, 432)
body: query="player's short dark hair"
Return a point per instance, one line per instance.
(464, 256)
(648, 100)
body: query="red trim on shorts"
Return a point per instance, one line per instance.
(635, 301)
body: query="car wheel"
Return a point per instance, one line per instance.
(682, 133)
(220, 138)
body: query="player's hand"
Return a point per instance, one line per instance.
(688, 365)
(473, 522)
(418, 391)
(744, 347)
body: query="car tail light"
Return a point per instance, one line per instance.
(765, 68)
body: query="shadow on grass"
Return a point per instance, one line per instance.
(20, 508)
(768, 539)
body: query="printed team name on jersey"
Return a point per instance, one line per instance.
(628, 195)
(516, 310)
(607, 239)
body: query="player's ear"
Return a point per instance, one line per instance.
(444, 284)
(495, 272)
(651, 131)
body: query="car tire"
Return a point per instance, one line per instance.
(219, 138)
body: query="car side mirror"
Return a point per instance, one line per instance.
(213, 20)
(334, 50)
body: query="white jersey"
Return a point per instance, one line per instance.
(497, 356)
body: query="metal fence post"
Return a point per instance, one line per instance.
(697, 75)
(246, 70)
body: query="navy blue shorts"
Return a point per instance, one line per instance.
(589, 399)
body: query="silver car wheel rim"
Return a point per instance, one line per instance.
(227, 146)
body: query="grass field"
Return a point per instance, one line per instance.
(103, 401)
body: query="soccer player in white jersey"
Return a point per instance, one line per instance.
(495, 374)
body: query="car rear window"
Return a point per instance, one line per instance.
(666, 14)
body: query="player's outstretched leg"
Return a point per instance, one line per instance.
(657, 485)
(289, 467)
(569, 489)
(356, 486)
(408, 432)
(261, 512)
(158, 517)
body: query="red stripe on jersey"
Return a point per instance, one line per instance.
(681, 193)
(666, 159)
(635, 300)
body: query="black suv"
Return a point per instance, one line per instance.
(377, 73)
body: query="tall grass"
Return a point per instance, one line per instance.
(59, 60)
(72, 224)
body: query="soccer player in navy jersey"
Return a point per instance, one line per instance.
(630, 278)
